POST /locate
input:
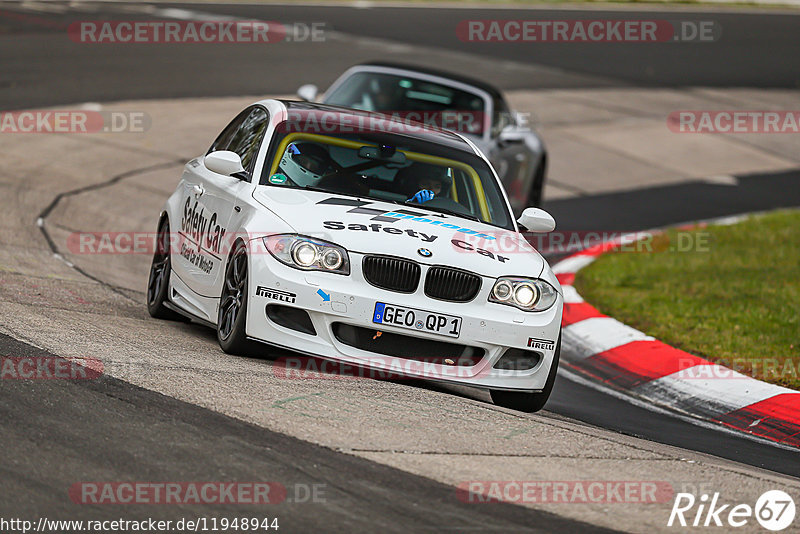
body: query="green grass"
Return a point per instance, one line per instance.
(735, 301)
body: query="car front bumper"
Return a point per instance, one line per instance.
(332, 300)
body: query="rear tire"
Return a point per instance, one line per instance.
(158, 281)
(232, 315)
(525, 401)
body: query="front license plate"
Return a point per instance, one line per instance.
(419, 320)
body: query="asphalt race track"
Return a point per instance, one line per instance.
(759, 50)
(98, 430)
(122, 421)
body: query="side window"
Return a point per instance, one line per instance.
(223, 139)
(247, 138)
(244, 135)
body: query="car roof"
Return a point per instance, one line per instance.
(493, 91)
(345, 116)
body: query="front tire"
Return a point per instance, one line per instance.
(232, 315)
(525, 401)
(158, 282)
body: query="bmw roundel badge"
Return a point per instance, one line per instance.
(425, 253)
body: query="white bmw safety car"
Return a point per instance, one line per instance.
(346, 235)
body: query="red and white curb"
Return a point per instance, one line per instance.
(625, 359)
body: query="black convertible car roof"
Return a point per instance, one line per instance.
(493, 91)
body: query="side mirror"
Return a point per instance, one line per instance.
(224, 162)
(537, 220)
(308, 92)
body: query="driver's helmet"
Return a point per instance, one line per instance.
(306, 163)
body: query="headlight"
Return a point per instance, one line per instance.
(332, 259)
(308, 254)
(304, 253)
(502, 290)
(524, 293)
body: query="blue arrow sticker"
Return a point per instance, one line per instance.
(325, 297)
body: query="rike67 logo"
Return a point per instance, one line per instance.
(774, 510)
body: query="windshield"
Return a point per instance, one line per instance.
(419, 100)
(391, 168)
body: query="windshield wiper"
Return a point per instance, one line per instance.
(450, 212)
(349, 194)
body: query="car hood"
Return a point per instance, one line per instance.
(375, 227)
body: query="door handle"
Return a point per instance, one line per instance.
(198, 190)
